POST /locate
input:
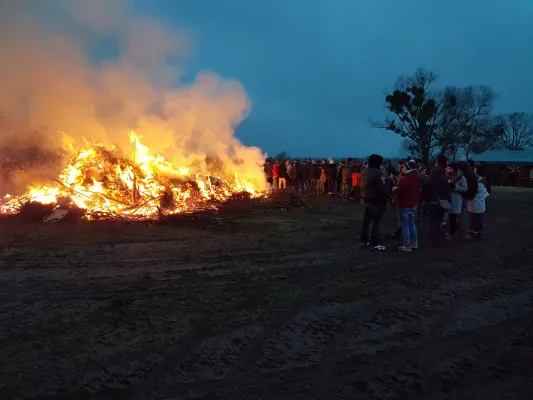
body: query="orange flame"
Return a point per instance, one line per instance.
(105, 182)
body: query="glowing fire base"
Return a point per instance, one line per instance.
(106, 184)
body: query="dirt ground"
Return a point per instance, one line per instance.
(266, 305)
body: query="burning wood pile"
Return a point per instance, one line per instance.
(102, 183)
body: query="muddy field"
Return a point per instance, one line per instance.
(266, 305)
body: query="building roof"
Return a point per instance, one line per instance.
(506, 157)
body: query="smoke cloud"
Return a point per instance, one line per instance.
(53, 94)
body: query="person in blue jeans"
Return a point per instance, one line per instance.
(407, 199)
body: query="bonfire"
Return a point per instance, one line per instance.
(105, 183)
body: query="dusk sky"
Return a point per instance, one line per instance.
(316, 70)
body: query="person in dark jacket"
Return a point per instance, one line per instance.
(346, 180)
(314, 176)
(373, 192)
(423, 176)
(269, 173)
(437, 195)
(471, 179)
(282, 175)
(337, 188)
(304, 176)
(296, 173)
(391, 174)
(331, 169)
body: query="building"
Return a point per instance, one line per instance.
(506, 157)
(508, 167)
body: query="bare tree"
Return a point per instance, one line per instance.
(435, 121)
(481, 135)
(416, 111)
(281, 156)
(463, 117)
(407, 147)
(518, 131)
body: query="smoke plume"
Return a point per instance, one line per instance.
(56, 94)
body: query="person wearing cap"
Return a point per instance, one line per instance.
(407, 197)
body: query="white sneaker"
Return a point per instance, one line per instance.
(404, 248)
(378, 247)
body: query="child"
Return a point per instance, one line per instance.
(476, 209)
(355, 184)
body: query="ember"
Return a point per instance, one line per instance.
(107, 183)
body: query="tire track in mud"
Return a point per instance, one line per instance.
(327, 328)
(421, 356)
(318, 338)
(291, 266)
(208, 351)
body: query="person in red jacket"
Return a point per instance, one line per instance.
(407, 198)
(275, 175)
(355, 183)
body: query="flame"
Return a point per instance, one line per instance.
(104, 182)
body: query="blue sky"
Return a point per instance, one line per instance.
(316, 70)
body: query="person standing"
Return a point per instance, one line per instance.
(355, 183)
(303, 176)
(437, 195)
(314, 175)
(330, 176)
(282, 176)
(275, 175)
(373, 192)
(288, 166)
(268, 173)
(345, 182)
(407, 194)
(423, 176)
(468, 169)
(458, 186)
(296, 173)
(477, 207)
(322, 180)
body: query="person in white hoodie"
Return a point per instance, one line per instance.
(476, 208)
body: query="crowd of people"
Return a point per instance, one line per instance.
(316, 177)
(453, 195)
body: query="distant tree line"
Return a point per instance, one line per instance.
(451, 120)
